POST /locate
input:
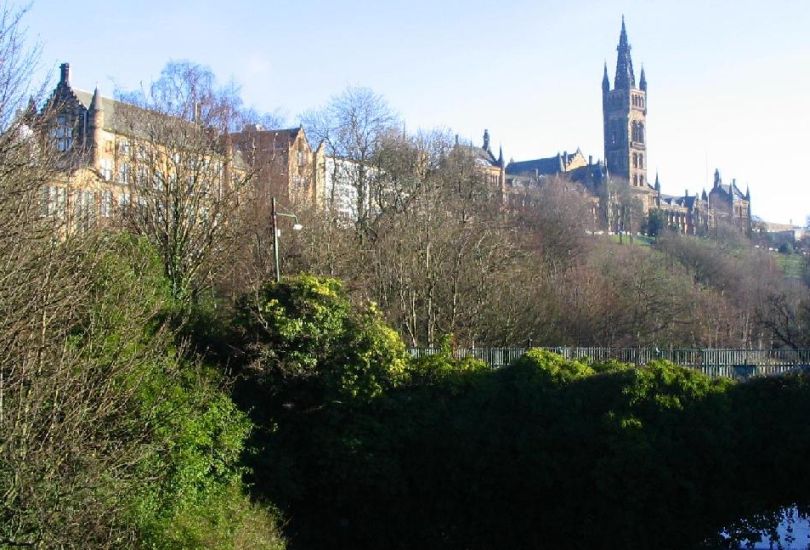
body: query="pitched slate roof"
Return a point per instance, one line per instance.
(543, 166)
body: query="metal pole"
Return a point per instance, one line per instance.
(275, 241)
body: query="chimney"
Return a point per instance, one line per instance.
(64, 73)
(590, 160)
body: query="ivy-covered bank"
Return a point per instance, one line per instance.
(362, 448)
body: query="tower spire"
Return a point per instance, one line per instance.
(642, 83)
(625, 78)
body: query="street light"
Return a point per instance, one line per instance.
(296, 227)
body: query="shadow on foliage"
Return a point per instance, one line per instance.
(546, 453)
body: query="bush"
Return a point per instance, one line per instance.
(303, 336)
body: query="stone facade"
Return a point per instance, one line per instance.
(99, 148)
(282, 162)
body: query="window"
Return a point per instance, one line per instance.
(123, 173)
(157, 180)
(85, 209)
(301, 158)
(140, 175)
(106, 169)
(106, 204)
(62, 134)
(53, 201)
(123, 148)
(123, 200)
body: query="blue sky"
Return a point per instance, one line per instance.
(729, 81)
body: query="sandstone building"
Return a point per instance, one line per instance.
(110, 154)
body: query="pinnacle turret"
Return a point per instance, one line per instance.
(95, 102)
(605, 81)
(642, 83)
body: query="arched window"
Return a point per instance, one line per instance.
(641, 160)
(641, 132)
(635, 160)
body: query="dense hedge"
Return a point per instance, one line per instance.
(546, 453)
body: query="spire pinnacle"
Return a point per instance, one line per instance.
(657, 182)
(625, 78)
(642, 83)
(95, 103)
(500, 155)
(605, 80)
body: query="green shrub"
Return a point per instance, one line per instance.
(302, 334)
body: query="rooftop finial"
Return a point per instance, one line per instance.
(486, 140)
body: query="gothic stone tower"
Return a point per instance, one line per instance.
(624, 110)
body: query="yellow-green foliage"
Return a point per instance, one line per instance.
(304, 330)
(553, 365)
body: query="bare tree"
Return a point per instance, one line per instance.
(186, 183)
(352, 127)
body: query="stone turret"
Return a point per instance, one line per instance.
(95, 125)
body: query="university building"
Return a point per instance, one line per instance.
(111, 153)
(622, 175)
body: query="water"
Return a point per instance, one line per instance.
(787, 528)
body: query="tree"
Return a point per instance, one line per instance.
(186, 181)
(656, 222)
(351, 128)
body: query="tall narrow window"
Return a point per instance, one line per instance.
(106, 169)
(62, 134)
(106, 204)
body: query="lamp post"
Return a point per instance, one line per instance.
(296, 227)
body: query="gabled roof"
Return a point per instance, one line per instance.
(479, 154)
(687, 201)
(109, 107)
